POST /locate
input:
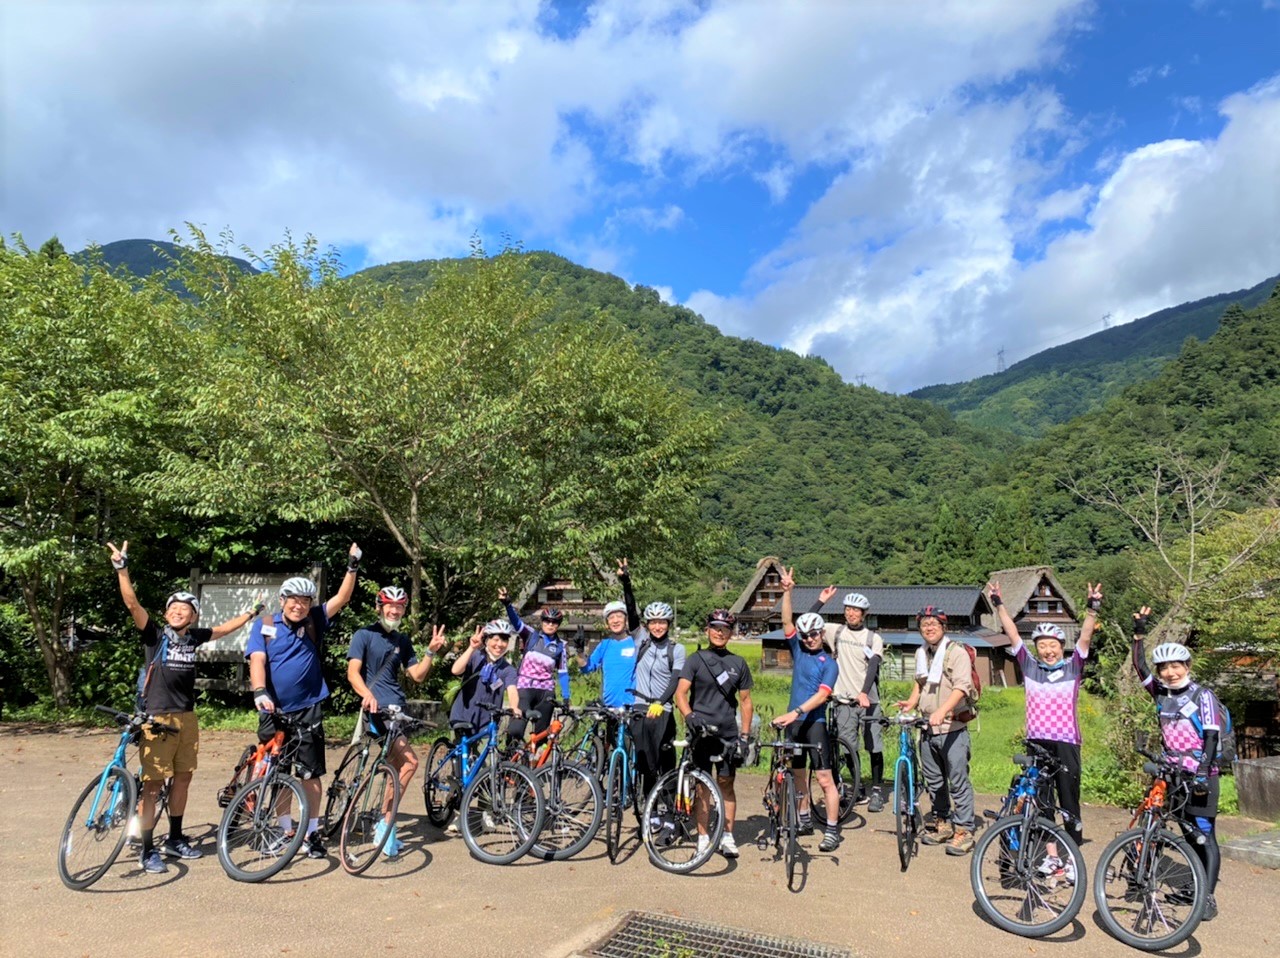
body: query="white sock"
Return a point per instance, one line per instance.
(286, 822)
(313, 825)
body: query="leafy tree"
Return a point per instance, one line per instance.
(52, 248)
(490, 455)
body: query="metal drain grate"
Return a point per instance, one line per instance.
(643, 935)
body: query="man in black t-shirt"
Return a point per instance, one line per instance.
(168, 692)
(714, 684)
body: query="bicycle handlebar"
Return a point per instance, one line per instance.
(902, 719)
(137, 719)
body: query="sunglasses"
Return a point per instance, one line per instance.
(812, 635)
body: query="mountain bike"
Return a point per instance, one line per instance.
(589, 737)
(781, 803)
(1027, 872)
(96, 829)
(1149, 886)
(675, 844)
(501, 803)
(907, 785)
(366, 790)
(846, 767)
(575, 803)
(253, 844)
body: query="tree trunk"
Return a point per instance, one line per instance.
(57, 661)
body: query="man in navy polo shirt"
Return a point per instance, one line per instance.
(285, 659)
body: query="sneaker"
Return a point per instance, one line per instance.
(961, 842)
(938, 834)
(1210, 909)
(666, 835)
(704, 842)
(876, 802)
(830, 841)
(453, 830)
(806, 827)
(314, 846)
(180, 847)
(1055, 868)
(1051, 865)
(728, 847)
(152, 863)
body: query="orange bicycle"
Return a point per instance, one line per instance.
(575, 803)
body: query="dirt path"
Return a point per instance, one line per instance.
(438, 901)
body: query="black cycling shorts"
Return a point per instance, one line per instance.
(308, 759)
(718, 756)
(813, 733)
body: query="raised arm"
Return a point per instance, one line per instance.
(419, 670)
(244, 618)
(513, 616)
(823, 598)
(120, 560)
(1139, 639)
(788, 583)
(1006, 620)
(460, 663)
(339, 600)
(1093, 603)
(628, 595)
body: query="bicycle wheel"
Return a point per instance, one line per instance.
(502, 813)
(614, 807)
(252, 844)
(341, 788)
(440, 786)
(366, 826)
(575, 808)
(1028, 876)
(847, 772)
(904, 815)
(790, 826)
(673, 846)
(96, 828)
(1150, 889)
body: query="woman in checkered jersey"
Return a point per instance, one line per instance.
(1052, 681)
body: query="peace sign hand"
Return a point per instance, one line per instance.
(120, 556)
(1094, 601)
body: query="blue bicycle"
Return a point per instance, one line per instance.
(98, 824)
(502, 806)
(906, 786)
(622, 787)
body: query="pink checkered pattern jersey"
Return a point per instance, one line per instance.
(1051, 696)
(1174, 708)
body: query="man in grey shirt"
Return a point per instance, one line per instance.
(659, 659)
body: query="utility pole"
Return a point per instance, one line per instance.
(1106, 321)
(1000, 360)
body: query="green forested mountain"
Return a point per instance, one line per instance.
(140, 256)
(1070, 380)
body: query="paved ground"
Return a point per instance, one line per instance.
(438, 901)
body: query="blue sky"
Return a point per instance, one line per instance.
(901, 188)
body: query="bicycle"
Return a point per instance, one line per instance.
(906, 786)
(622, 788)
(1027, 872)
(1149, 886)
(574, 800)
(501, 803)
(590, 749)
(253, 845)
(846, 767)
(97, 827)
(366, 790)
(675, 845)
(781, 803)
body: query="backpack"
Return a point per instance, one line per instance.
(968, 710)
(671, 653)
(144, 673)
(1226, 734)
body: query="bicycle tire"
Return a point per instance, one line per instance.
(790, 826)
(341, 788)
(93, 836)
(847, 785)
(575, 809)
(904, 815)
(1010, 886)
(361, 840)
(676, 851)
(613, 808)
(441, 789)
(251, 844)
(1124, 897)
(502, 814)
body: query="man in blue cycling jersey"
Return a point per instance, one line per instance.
(616, 652)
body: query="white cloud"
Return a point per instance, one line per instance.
(1144, 74)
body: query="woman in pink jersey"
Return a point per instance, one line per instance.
(1052, 681)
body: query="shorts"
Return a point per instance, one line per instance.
(166, 754)
(844, 718)
(718, 756)
(304, 742)
(815, 733)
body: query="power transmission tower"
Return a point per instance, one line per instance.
(860, 380)
(1106, 321)
(1000, 360)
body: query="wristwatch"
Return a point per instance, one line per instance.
(800, 713)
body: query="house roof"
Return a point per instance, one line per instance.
(1019, 584)
(762, 569)
(978, 638)
(966, 600)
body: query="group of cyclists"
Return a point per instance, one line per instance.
(648, 676)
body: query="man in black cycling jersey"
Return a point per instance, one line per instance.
(712, 684)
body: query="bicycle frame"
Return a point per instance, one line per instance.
(461, 753)
(625, 748)
(907, 755)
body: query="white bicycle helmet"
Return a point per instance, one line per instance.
(1170, 652)
(614, 606)
(391, 593)
(499, 627)
(186, 597)
(858, 601)
(299, 586)
(658, 610)
(1046, 630)
(810, 622)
